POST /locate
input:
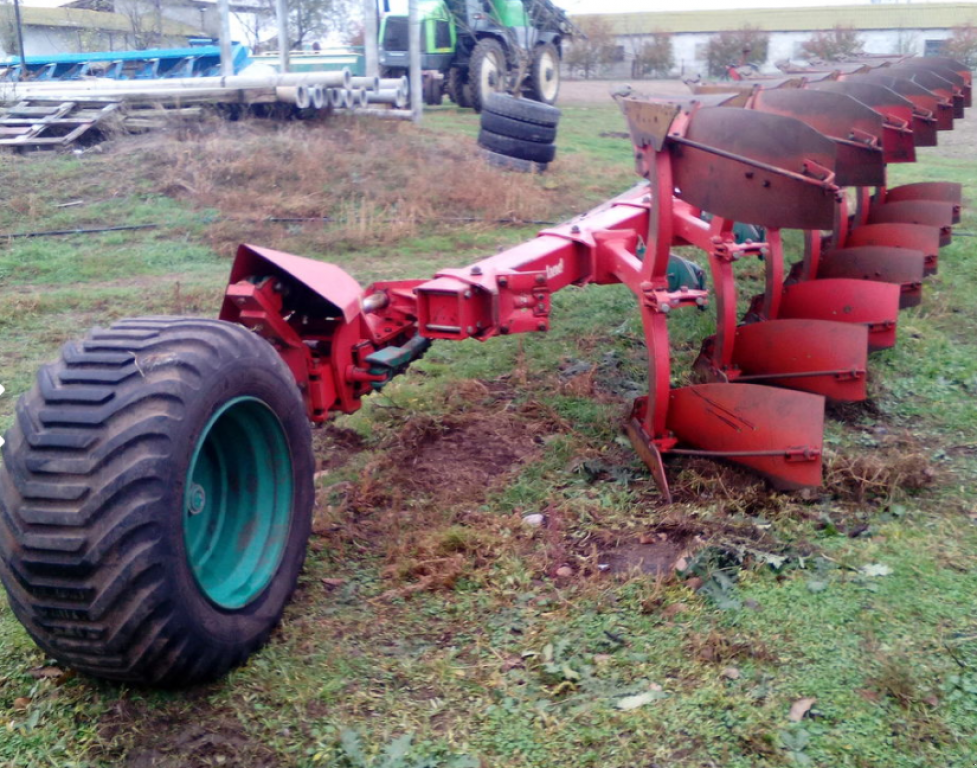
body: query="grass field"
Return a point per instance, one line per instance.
(432, 625)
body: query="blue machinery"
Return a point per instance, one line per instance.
(153, 64)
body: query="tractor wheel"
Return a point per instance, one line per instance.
(522, 109)
(544, 74)
(457, 87)
(525, 150)
(517, 129)
(487, 72)
(155, 500)
(433, 95)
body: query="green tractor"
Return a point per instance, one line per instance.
(470, 48)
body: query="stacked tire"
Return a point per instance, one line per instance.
(518, 133)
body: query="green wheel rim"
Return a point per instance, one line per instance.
(237, 504)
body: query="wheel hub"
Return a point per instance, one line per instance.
(237, 502)
(196, 500)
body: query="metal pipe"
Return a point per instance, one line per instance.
(387, 114)
(370, 83)
(338, 79)
(173, 95)
(318, 97)
(394, 82)
(387, 96)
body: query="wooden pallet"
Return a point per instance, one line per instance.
(46, 123)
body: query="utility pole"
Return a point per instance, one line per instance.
(281, 11)
(224, 9)
(414, 58)
(20, 38)
(370, 33)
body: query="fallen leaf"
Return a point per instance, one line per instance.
(731, 673)
(333, 583)
(695, 583)
(46, 672)
(800, 708)
(22, 703)
(875, 569)
(682, 564)
(564, 571)
(932, 701)
(674, 609)
(649, 538)
(639, 700)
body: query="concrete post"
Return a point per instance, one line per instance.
(224, 9)
(370, 32)
(414, 48)
(281, 12)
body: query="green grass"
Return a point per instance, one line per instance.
(508, 664)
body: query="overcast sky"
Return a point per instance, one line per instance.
(631, 6)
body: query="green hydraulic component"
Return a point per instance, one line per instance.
(681, 273)
(743, 232)
(391, 361)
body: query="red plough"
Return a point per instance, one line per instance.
(779, 158)
(157, 488)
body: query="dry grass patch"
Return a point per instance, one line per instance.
(347, 182)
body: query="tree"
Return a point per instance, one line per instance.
(837, 44)
(146, 21)
(588, 56)
(962, 45)
(653, 56)
(308, 20)
(744, 46)
(355, 33)
(8, 29)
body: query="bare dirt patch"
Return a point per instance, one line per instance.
(151, 736)
(599, 91)
(416, 502)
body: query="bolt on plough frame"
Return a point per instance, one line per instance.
(156, 490)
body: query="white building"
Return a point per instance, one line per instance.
(883, 28)
(49, 31)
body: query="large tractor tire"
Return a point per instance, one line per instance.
(524, 110)
(517, 129)
(457, 87)
(524, 150)
(155, 500)
(544, 74)
(487, 72)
